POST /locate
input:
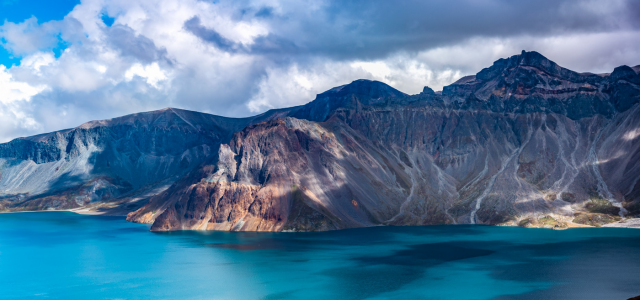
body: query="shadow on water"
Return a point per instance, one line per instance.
(425, 255)
(362, 275)
(387, 259)
(594, 268)
(307, 241)
(375, 275)
(427, 262)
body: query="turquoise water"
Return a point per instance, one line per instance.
(59, 255)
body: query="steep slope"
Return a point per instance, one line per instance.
(118, 161)
(520, 140)
(292, 174)
(523, 142)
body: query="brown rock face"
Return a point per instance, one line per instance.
(519, 141)
(430, 166)
(292, 174)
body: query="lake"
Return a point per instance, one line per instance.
(62, 255)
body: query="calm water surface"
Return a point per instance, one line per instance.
(59, 255)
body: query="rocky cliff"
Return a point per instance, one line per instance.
(110, 165)
(523, 142)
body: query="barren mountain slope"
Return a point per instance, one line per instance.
(522, 142)
(118, 161)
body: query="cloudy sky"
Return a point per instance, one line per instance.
(68, 62)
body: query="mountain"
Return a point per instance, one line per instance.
(524, 142)
(110, 165)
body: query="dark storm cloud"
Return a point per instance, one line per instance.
(265, 44)
(366, 29)
(129, 44)
(211, 36)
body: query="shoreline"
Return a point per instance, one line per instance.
(631, 223)
(77, 211)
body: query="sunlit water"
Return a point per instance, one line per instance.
(60, 255)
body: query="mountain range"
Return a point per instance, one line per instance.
(523, 142)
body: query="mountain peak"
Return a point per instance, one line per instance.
(526, 59)
(622, 72)
(365, 89)
(427, 91)
(361, 91)
(533, 58)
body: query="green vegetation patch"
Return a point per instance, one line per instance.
(601, 206)
(595, 219)
(528, 222)
(544, 222)
(633, 208)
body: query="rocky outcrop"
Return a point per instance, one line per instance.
(530, 83)
(292, 174)
(23, 149)
(523, 142)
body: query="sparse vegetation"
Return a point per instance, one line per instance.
(633, 208)
(601, 206)
(544, 222)
(595, 219)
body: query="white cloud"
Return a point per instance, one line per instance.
(152, 73)
(11, 90)
(148, 60)
(28, 36)
(38, 60)
(296, 85)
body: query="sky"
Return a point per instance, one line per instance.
(66, 62)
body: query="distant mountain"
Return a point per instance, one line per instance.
(524, 142)
(111, 164)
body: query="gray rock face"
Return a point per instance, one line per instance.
(523, 142)
(24, 149)
(520, 140)
(116, 160)
(358, 93)
(427, 91)
(530, 83)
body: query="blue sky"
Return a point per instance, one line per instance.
(20, 10)
(63, 63)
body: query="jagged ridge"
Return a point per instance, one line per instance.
(520, 139)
